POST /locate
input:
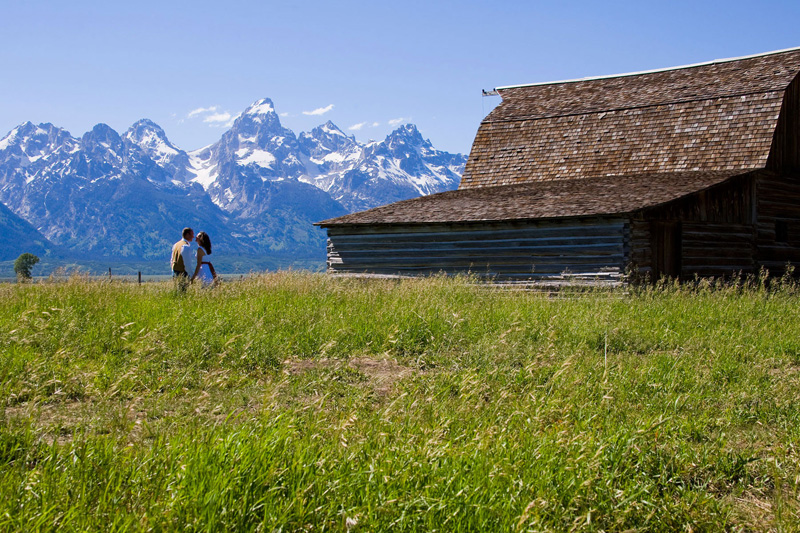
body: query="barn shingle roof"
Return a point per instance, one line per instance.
(545, 199)
(716, 116)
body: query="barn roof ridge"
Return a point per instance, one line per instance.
(624, 107)
(652, 71)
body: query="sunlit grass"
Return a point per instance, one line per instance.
(298, 401)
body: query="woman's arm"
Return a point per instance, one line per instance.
(213, 272)
(200, 254)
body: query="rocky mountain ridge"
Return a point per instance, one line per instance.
(257, 190)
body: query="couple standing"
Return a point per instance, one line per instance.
(182, 258)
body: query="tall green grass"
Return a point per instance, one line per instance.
(297, 401)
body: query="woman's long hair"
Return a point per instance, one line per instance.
(204, 241)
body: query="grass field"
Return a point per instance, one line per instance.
(299, 402)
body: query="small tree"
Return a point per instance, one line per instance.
(24, 264)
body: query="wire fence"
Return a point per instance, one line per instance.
(128, 278)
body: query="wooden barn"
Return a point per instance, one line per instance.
(685, 171)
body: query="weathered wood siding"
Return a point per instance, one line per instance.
(777, 228)
(714, 233)
(582, 248)
(778, 211)
(641, 255)
(716, 249)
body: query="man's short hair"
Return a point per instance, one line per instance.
(187, 232)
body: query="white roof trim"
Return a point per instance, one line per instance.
(590, 78)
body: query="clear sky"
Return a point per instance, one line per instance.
(190, 66)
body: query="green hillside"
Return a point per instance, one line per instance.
(19, 237)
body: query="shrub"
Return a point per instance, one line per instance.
(23, 265)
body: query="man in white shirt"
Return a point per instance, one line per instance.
(182, 256)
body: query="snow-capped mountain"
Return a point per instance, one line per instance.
(361, 176)
(98, 195)
(328, 154)
(402, 166)
(149, 136)
(358, 176)
(257, 149)
(257, 190)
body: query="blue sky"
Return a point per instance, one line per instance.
(367, 66)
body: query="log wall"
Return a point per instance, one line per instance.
(714, 233)
(715, 249)
(778, 211)
(751, 221)
(576, 248)
(641, 255)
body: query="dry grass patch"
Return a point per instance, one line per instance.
(381, 373)
(135, 419)
(755, 511)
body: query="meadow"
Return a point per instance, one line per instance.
(301, 402)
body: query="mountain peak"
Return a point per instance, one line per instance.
(103, 129)
(330, 128)
(260, 107)
(407, 133)
(29, 129)
(259, 115)
(151, 137)
(326, 138)
(145, 123)
(409, 129)
(39, 135)
(145, 129)
(102, 134)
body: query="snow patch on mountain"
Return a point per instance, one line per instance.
(9, 139)
(261, 107)
(159, 150)
(260, 158)
(200, 166)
